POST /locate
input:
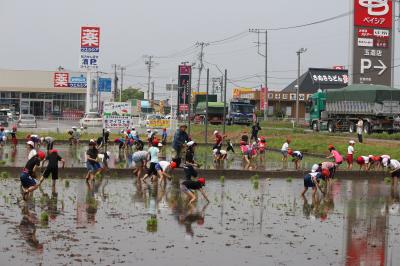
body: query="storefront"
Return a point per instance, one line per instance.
(45, 93)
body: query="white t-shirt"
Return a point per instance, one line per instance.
(154, 154)
(285, 146)
(164, 165)
(360, 127)
(394, 164)
(31, 154)
(366, 159)
(350, 150)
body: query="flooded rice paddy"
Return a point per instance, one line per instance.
(119, 222)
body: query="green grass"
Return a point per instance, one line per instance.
(44, 218)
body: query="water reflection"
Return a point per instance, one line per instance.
(27, 226)
(366, 224)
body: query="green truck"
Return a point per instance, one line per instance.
(215, 112)
(340, 109)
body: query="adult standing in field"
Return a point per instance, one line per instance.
(360, 129)
(254, 131)
(180, 138)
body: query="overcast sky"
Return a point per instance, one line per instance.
(44, 34)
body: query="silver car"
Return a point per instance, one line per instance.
(27, 120)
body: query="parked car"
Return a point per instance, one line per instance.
(8, 113)
(27, 120)
(3, 119)
(91, 120)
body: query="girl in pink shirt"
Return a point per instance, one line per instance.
(335, 155)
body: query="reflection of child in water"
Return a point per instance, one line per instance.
(187, 218)
(28, 228)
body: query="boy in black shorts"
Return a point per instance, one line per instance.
(28, 176)
(188, 186)
(52, 167)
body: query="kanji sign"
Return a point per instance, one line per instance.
(61, 80)
(372, 47)
(117, 122)
(90, 48)
(184, 87)
(88, 61)
(373, 13)
(90, 39)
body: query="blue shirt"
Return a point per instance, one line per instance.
(179, 139)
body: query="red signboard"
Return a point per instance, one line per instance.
(373, 13)
(184, 107)
(61, 80)
(90, 39)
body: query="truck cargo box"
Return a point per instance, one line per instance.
(364, 99)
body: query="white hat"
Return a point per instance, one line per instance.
(215, 132)
(159, 144)
(385, 162)
(215, 151)
(148, 130)
(108, 130)
(190, 143)
(314, 168)
(42, 139)
(352, 142)
(73, 127)
(30, 143)
(92, 140)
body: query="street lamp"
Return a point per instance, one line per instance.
(299, 52)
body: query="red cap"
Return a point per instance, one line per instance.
(53, 150)
(172, 165)
(360, 160)
(377, 158)
(41, 155)
(128, 131)
(14, 127)
(330, 146)
(155, 142)
(290, 151)
(116, 140)
(325, 172)
(242, 143)
(202, 180)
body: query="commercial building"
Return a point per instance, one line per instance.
(46, 93)
(283, 103)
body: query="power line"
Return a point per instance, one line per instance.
(311, 23)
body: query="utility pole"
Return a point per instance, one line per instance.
(115, 66)
(122, 82)
(224, 88)
(149, 62)
(299, 52)
(263, 31)
(152, 91)
(206, 118)
(201, 65)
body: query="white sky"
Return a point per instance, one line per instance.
(44, 34)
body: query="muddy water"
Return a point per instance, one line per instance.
(358, 224)
(75, 157)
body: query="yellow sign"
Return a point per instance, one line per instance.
(238, 91)
(159, 123)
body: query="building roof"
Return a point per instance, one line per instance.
(319, 78)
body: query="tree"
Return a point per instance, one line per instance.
(132, 93)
